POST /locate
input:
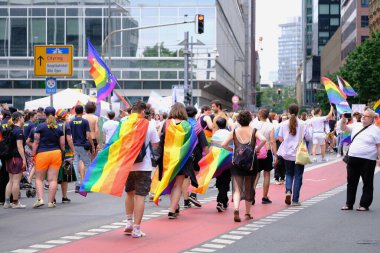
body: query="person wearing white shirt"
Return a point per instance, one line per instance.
(362, 155)
(318, 126)
(109, 127)
(289, 136)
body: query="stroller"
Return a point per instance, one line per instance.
(25, 185)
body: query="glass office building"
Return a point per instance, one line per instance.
(142, 60)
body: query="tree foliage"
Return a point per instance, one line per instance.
(269, 98)
(362, 71)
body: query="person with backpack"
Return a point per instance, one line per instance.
(290, 134)
(243, 171)
(15, 160)
(48, 148)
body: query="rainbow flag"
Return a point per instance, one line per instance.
(334, 93)
(109, 171)
(213, 161)
(346, 87)
(72, 112)
(208, 135)
(343, 107)
(376, 107)
(377, 121)
(345, 138)
(104, 80)
(178, 147)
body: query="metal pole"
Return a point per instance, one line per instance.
(234, 75)
(186, 68)
(191, 70)
(109, 47)
(51, 100)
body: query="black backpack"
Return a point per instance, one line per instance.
(6, 149)
(244, 154)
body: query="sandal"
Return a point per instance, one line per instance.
(236, 216)
(346, 208)
(362, 209)
(248, 216)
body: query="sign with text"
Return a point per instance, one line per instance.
(51, 85)
(53, 60)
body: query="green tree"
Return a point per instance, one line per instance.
(269, 98)
(362, 71)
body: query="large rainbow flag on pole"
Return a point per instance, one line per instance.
(104, 80)
(216, 159)
(178, 147)
(334, 93)
(346, 87)
(109, 171)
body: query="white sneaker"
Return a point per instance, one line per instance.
(7, 205)
(128, 228)
(277, 182)
(38, 203)
(137, 233)
(314, 160)
(18, 206)
(51, 205)
(325, 159)
(338, 156)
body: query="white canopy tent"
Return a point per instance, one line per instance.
(65, 99)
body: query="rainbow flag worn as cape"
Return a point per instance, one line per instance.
(109, 171)
(104, 80)
(376, 107)
(345, 138)
(346, 87)
(213, 161)
(178, 147)
(334, 93)
(208, 135)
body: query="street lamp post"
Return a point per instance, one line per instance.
(235, 60)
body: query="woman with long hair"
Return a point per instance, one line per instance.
(48, 148)
(242, 180)
(291, 131)
(17, 163)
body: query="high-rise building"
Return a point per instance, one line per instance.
(307, 20)
(354, 25)
(326, 20)
(142, 60)
(289, 51)
(374, 15)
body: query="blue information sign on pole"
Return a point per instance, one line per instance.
(51, 85)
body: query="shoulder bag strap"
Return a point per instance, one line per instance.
(364, 128)
(301, 134)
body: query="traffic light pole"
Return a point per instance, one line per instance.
(186, 85)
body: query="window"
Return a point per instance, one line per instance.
(364, 21)
(334, 21)
(364, 3)
(18, 36)
(324, 9)
(364, 38)
(334, 9)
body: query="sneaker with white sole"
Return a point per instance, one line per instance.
(128, 228)
(324, 159)
(7, 205)
(137, 233)
(193, 199)
(18, 206)
(51, 205)
(38, 203)
(220, 207)
(315, 160)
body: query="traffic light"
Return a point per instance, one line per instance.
(188, 97)
(199, 23)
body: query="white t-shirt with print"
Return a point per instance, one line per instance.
(151, 137)
(364, 145)
(318, 124)
(109, 128)
(265, 128)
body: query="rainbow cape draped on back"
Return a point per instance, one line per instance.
(216, 159)
(376, 107)
(104, 80)
(346, 87)
(334, 93)
(180, 140)
(208, 135)
(109, 171)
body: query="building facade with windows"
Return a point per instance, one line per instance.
(354, 25)
(142, 60)
(289, 51)
(374, 15)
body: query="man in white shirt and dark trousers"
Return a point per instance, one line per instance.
(362, 155)
(139, 179)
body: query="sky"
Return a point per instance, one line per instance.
(271, 13)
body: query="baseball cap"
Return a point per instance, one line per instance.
(17, 115)
(50, 111)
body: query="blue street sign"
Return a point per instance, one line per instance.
(51, 85)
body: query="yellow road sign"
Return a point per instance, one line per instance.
(53, 60)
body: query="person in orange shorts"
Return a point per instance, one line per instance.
(48, 147)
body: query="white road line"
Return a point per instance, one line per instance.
(42, 246)
(274, 217)
(86, 233)
(223, 241)
(119, 223)
(202, 250)
(24, 251)
(100, 230)
(271, 220)
(110, 226)
(214, 246)
(151, 215)
(280, 215)
(247, 228)
(240, 232)
(57, 241)
(255, 225)
(262, 222)
(233, 237)
(71, 237)
(146, 218)
(158, 213)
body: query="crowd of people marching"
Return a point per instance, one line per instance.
(38, 148)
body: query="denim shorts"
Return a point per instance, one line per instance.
(139, 181)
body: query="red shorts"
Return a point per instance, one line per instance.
(48, 159)
(14, 165)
